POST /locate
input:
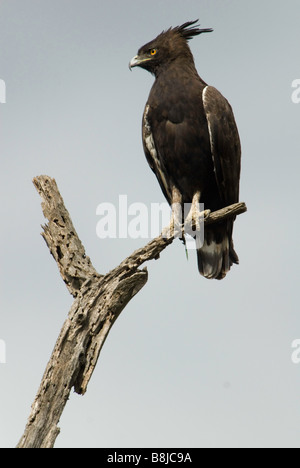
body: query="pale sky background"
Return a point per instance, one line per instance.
(189, 363)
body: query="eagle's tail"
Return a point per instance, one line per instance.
(217, 253)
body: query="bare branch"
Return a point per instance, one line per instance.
(99, 300)
(228, 212)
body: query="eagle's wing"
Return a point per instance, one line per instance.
(152, 155)
(224, 142)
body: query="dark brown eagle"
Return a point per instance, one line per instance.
(191, 141)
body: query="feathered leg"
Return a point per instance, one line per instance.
(192, 223)
(175, 229)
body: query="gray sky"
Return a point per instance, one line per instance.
(190, 363)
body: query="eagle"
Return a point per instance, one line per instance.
(191, 142)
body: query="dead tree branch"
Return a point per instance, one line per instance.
(99, 300)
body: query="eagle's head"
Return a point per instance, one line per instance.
(167, 47)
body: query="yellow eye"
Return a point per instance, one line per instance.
(153, 51)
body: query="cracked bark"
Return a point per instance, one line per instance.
(98, 301)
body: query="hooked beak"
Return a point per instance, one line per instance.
(137, 60)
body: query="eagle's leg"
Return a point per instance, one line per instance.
(192, 222)
(176, 223)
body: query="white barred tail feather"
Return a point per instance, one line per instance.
(216, 255)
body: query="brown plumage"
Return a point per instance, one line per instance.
(191, 140)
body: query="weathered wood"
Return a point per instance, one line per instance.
(60, 236)
(99, 300)
(228, 212)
